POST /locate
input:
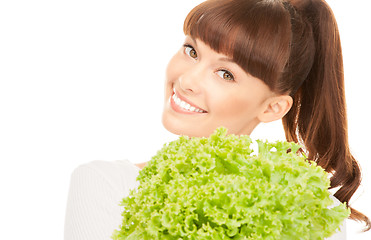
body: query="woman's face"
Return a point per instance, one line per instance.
(205, 90)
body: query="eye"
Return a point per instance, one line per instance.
(226, 75)
(190, 51)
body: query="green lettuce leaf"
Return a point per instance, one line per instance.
(218, 188)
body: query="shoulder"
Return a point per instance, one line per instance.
(118, 175)
(96, 190)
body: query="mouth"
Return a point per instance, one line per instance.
(180, 104)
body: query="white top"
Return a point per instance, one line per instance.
(96, 190)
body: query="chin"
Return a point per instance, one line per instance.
(180, 129)
(172, 127)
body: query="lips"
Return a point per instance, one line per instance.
(181, 104)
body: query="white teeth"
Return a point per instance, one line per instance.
(185, 105)
(182, 104)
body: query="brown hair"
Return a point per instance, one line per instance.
(293, 47)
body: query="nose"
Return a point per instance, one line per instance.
(191, 79)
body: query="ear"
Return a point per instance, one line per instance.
(275, 108)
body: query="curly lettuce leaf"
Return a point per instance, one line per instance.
(218, 188)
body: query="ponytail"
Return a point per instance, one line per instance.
(318, 117)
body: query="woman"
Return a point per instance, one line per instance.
(243, 62)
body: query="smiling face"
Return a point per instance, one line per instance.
(205, 90)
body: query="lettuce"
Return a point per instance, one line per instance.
(218, 188)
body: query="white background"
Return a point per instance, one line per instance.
(83, 80)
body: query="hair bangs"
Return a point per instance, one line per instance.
(256, 35)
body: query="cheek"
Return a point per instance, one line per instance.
(169, 71)
(173, 68)
(245, 100)
(233, 104)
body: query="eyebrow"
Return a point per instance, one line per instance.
(193, 40)
(220, 59)
(226, 59)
